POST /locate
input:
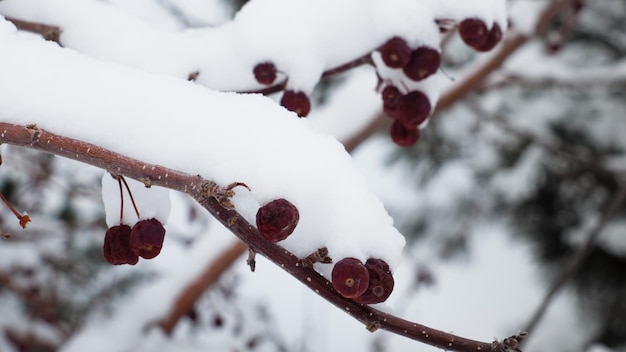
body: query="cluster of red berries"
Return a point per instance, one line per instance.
(124, 244)
(367, 283)
(408, 110)
(475, 34)
(296, 101)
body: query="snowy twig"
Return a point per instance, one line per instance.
(49, 32)
(578, 257)
(365, 59)
(194, 290)
(209, 195)
(575, 153)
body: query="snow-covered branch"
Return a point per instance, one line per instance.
(213, 198)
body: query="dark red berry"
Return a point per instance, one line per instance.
(395, 53)
(265, 73)
(415, 108)
(297, 102)
(380, 285)
(116, 247)
(277, 219)
(473, 31)
(392, 101)
(350, 277)
(402, 135)
(493, 37)
(146, 239)
(424, 62)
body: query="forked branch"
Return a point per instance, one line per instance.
(209, 195)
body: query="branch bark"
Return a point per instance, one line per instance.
(210, 196)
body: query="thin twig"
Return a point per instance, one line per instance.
(577, 258)
(185, 301)
(208, 194)
(49, 32)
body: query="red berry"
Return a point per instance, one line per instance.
(392, 101)
(493, 37)
(396, 53)
(116, 247)
(473, 31)
(297, 102)
(424, 62)
(147, 237)
(277, 219)
(402, 135)
(265, 73)
(380, 284)
(350, 277)
(415, 109)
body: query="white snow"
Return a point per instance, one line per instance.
(223, 137)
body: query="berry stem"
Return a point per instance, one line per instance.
(130, 194)
(23, 219)
(119, 183)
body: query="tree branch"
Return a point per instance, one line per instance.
(208, 194)
(48, 32)
(577, 259)
(194, 290)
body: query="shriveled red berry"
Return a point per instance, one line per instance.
(473, 31)
(381, 282)
(277, 219)
(116, 246)
(424, 62)
(415, 109)
(493, 38)
(392, 101)
(146, 238)
(297, 102)
(265, 73)
(395, 53)
(402, 135)
(350, 277)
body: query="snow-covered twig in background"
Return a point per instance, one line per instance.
(48, 32)
(577, 258)
(211, 197)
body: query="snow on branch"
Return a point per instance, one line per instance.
(211, 197)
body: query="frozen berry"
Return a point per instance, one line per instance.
(402, 135)
(116, 247)
(473, 31)
(493, 37)
(265, 73)
(146, 238)
(424, 62)
(277, 219)
(392, 101)
(350, 277)
(297, 102)
(415, 109)
(395, 53)
(380, 285)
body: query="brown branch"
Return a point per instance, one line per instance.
(208, 194)
(194, 290)
(49, 32)
(577, 259)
